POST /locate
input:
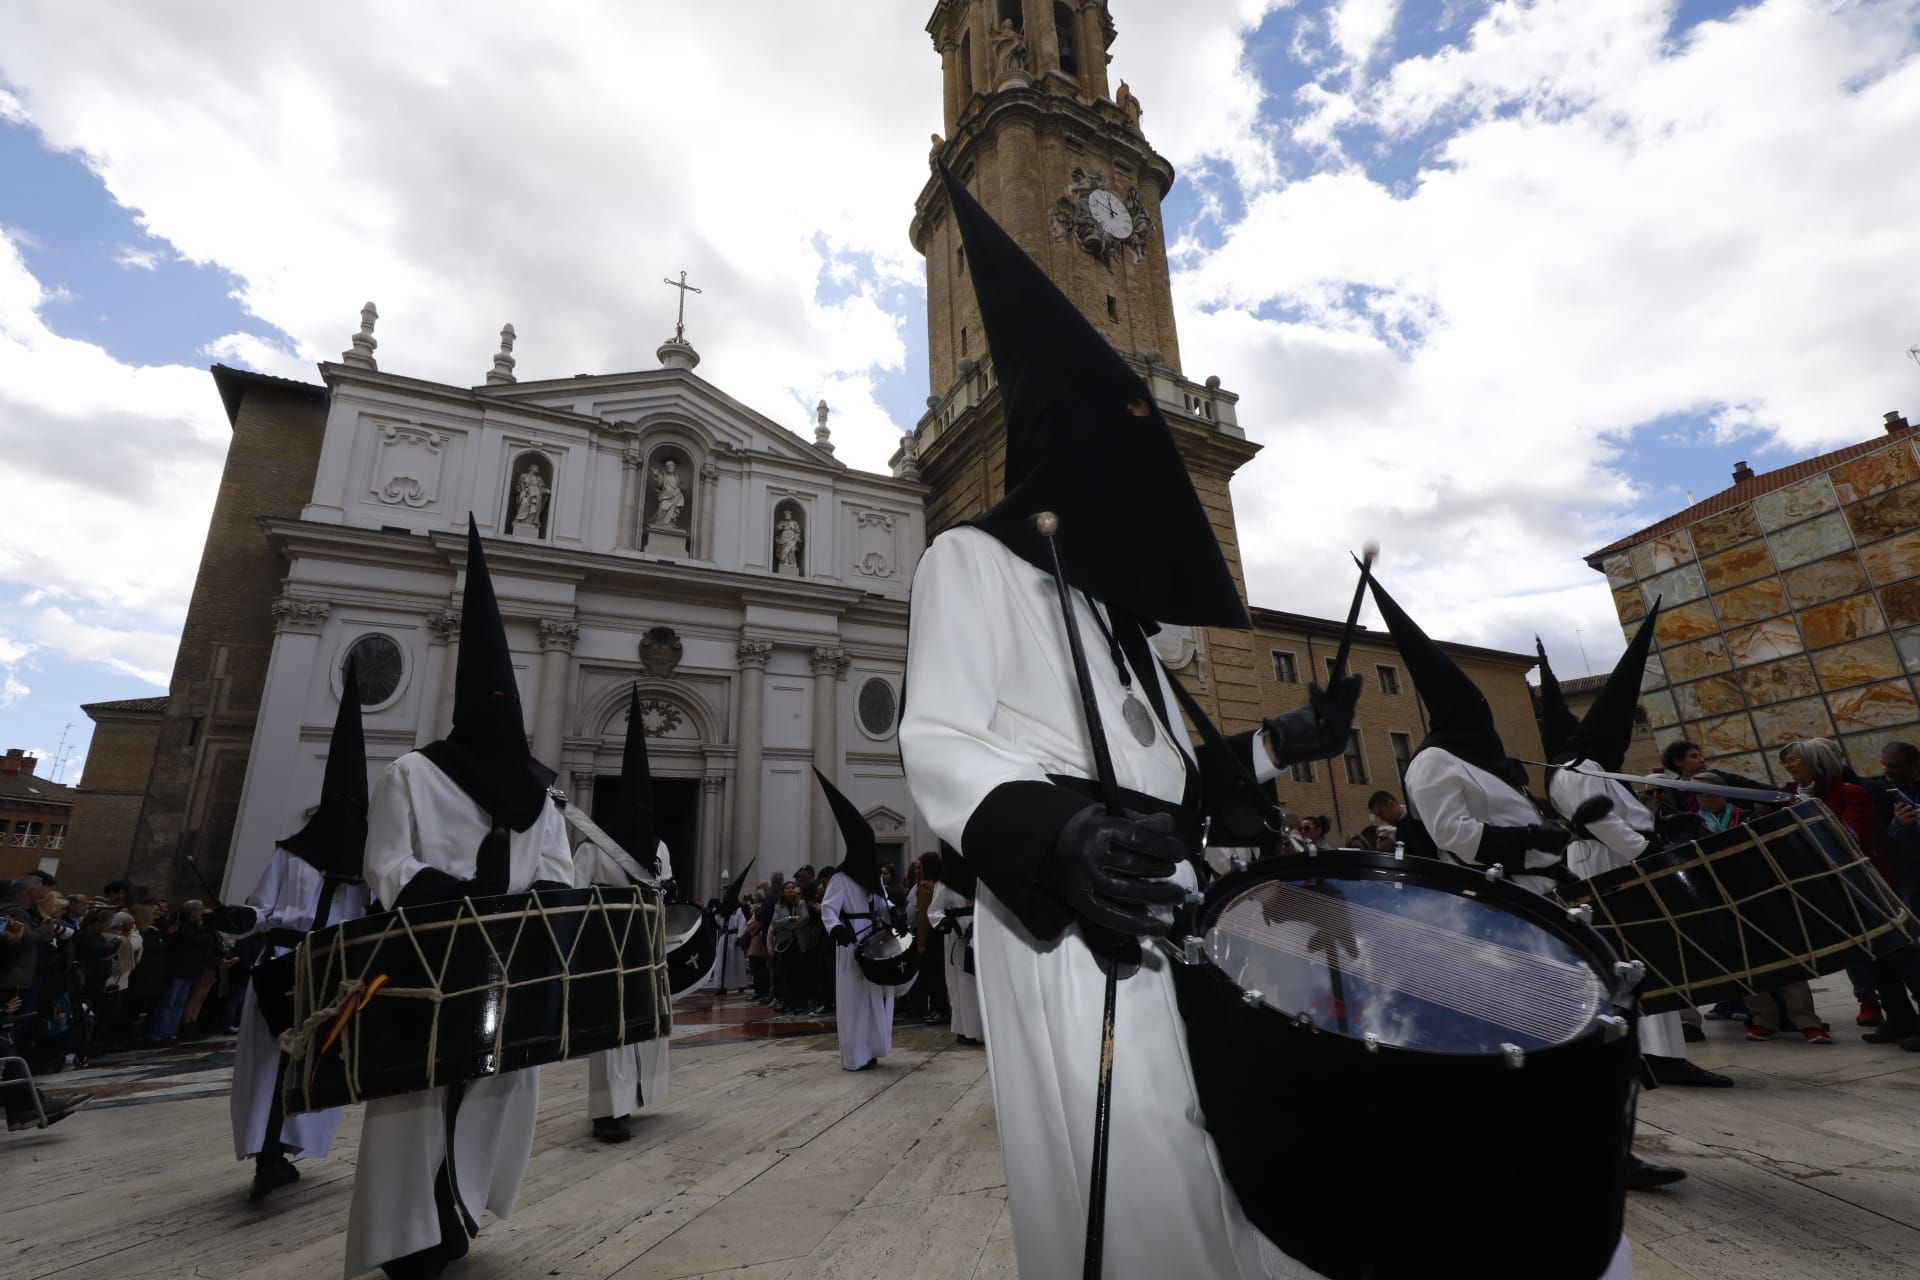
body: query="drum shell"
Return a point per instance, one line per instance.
(691, 959)
(1372, 1163)
(551, 1002)
(1810, 903)
(896, 971)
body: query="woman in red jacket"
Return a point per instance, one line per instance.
(1817, 771)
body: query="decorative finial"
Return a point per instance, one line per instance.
(503, 362)
(360, 354)
(822, 438)
(906, 462)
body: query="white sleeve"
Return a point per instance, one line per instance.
(831, 903)
(1436, 792)
(1571, 788)
(266, 895)
(1264, 768)
(392, 847)
(953, 758)
(556, 854)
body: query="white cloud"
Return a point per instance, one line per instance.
(1360, 27)
(12, 689)
(135, 258)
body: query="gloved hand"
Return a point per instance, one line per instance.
(842, 935)
(1110, 868)
(1317, 731)
(492, 865)
(1678, 824)
(1507, 847)
(233, 919)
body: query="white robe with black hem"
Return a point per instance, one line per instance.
(863, 1012)
(620, 1081)
(420, 819)
(285, 898)
(1617, 841)
(963, 991)
(1457, 801)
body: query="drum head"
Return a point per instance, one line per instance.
(888, 959)
(690, 947)
(1403, 962)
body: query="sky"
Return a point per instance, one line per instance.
(1497, 281)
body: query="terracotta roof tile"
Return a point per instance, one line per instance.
(128, 704)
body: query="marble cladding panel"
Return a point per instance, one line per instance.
(1825, 580)
(1741, 564)
(1619, 570)
(1763, 642)
(1876, 706)
(1628, 604)
(1714, 696)
(1875, 473)
(1727, 735)
(1794, 503)
(1655, 676)
(1814, 540)
(1890, 513)
(1664, 738)
(1766, 598)
(1841, 621)
(1862, 662)
(1701, 658)
(1781, 681)
(1792, 721)
(1753, 765)
(1893, 559)
(1660, 709)
(1657, 555)
(1908, 643)
(1686, 622)
(1728, 529)
(1674, 587)
(1902, 603)
(1863, 749)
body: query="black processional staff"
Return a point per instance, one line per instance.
(1046, 523)
(1365, 561)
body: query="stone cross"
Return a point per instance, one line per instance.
(680, 321)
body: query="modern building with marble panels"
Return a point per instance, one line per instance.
(1791, 607)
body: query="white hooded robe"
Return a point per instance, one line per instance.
(620, 1081)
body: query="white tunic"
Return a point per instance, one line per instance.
(1617, 841)
(419, 819)
(991, 698)
(729, 971)
(1456, 800)
(620, 1081)
(285, 898)
(963, 991)
(863, 1012)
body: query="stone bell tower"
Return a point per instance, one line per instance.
(1052, 148)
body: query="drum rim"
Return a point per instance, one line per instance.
(1569, 926)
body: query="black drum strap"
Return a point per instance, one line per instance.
(270, 1145)
(449, 1177)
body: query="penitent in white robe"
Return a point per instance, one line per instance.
(1457, 800)
(963, 991)
(863, 1012)
(419, 819)
(285, 898)
(729, 971)
(620, 1081)
(1618, 840)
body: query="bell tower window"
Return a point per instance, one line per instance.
(1063, 26)
(966, 69)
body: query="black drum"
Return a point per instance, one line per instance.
(888, 959)
(1412, 1071)
(691, 942)
(1787, 897)
(422, 996)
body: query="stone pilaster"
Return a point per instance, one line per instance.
(749, 735)
(712, 810)
(709, 500)
(829, 668)
(557, 638)
(628, 534)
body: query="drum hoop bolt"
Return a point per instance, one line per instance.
(1252, 998)
(1516, 1056)
(1193, 950)
(1582, 914)
(1237, 862)
(1630, 973)
(1496, 872)
(1373, 1042)
(1612, 1027)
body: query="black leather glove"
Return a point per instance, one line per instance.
(492, 865)
(1678, 824)
(1110, 868)
(234, 919)
(842, 935)
(1507, 847)
(1317, 731)
(429, 885)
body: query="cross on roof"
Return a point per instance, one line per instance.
(680, 321)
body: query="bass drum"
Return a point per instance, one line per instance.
(888, 959)
(1405, 1065)
(691, 941)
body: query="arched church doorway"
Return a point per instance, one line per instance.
(676, 819)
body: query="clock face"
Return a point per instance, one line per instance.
(1110, 214)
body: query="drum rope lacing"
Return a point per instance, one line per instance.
(1538, 996)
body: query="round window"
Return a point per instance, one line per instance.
(378, 663)
(877, 707)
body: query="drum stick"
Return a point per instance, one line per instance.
(1046, 523)
(213, 894)
(1339, 671)
(1673, 784)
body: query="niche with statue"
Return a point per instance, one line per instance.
(668, 518)
(529, 496)
(789, 539)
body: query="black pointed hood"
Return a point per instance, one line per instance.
(862, 860)
(730, 902)
(334, 841)
(1132, 531)
(486, 753)
(1606, 731)
(633, 825)
(1459, 719)
(1557, 724)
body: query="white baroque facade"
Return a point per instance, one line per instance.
(761, 652)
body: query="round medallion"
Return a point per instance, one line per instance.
(1139, 720)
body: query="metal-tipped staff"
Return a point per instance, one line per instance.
(1046, 523)
(1339, 672)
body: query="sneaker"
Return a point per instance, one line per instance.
(1726, 1011)
(1757, 1032)
(1816, 1035)
(1870, 1014)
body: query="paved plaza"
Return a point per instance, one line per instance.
(769, 1161)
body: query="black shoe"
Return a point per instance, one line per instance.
(1680, 1071)
(1645, 1176)
(424, 1265)
(1692, 1034)
(1887, 1033)
(191, 1033)
(611, 1128)
(270, 1173)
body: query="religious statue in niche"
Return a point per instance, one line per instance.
(787, 535)
(668, 497)
(529, 500)
(1009, 49)
(1128, 104)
